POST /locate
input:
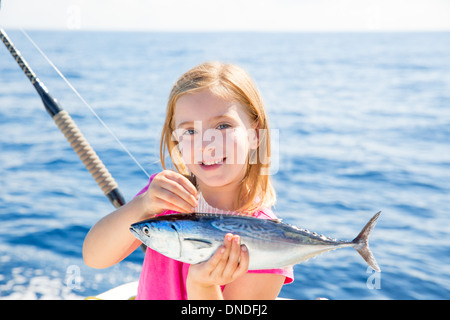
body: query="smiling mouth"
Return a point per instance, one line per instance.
(212, 163)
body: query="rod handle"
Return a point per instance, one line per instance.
(89, 157)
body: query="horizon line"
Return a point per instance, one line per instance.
(150, 30)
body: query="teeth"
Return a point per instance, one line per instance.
(212, 162)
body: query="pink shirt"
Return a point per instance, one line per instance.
(163, 278)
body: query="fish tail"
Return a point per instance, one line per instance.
(362, 243)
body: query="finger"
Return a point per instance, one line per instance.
(233, 259)
(183, 181)
(243, 262)
(173, 207)
(215, 259)
(165, 199)
(176, 188)
(221, 264)
(170, 200)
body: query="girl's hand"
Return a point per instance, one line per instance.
(228, 263)
(170, 190)
(110, 240)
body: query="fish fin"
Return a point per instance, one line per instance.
(198, 243)
(362, 243)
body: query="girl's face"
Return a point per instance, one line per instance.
(214, 136)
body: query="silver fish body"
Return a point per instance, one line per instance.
(193, 238)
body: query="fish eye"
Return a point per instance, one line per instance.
(146, 230)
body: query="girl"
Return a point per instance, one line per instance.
(216, 134)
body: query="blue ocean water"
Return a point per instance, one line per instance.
(363, 122)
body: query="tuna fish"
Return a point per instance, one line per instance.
(193, 238)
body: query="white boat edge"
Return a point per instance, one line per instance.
(126, 291)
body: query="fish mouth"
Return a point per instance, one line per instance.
(133, 230)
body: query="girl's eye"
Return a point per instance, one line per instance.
(189, 132)
(223, 126)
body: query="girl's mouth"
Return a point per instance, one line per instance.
(212, 164)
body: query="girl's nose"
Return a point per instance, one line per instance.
(213, 144)
(208, 150)
(208, 146)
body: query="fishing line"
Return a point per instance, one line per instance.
(86, 103)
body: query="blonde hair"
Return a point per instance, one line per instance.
(231, 83)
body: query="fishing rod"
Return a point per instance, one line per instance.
(70, 130)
